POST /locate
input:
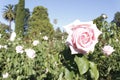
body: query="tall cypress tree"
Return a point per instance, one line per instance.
(19, 20)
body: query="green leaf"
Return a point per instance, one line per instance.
(68, 74)
(18, 78)
(60, 76)
(94, 71)
(82, 63)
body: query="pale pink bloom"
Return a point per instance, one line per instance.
(5, 75)
(107, 50)
(82, 36)
(30, 53)
(19, 49)
(12, 37)
(45, 38)
(35, 42)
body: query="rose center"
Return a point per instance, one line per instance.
(85, 38)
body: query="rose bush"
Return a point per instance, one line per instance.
(105, 65)
(51, 59)
(82, 36)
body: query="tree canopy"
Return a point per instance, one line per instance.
(117, 19)
(39, 23)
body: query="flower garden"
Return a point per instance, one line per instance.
(86, 53)
(35, 51)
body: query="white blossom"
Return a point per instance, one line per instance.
(30, 53)
(5, 75)
(35, 42)
(19, 49)
(45, 38)
(5, 46)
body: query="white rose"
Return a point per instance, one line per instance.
(19, 49)
(30, 53)
(35, 42)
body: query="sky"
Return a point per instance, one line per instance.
(67, 11)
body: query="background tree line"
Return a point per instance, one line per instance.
(36, 23)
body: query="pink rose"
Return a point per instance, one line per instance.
(107, 50)
(82, 37)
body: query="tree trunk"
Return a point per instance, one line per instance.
(10, 30)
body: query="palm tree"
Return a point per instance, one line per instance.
(9, 14)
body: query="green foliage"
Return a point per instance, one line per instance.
(39, 23)
(21, 67)
(58, 34)
(94, 71)
(19, 20)
(83, 64)
(3, 33)
(98, 21)
(108, 66)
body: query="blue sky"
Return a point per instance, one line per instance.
(66, 11)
